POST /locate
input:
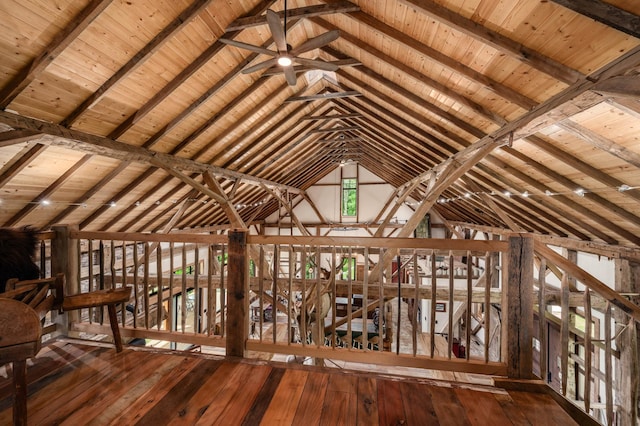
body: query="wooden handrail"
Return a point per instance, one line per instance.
(589, 280)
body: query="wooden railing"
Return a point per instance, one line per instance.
(594, 332)
(368, 300)
(361, 300)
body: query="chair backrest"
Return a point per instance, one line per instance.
(42, 295)
(20, 331)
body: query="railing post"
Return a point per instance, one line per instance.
(64, 259)
(237, 319)
(519, 306)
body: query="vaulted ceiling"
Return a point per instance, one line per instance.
(136, 115)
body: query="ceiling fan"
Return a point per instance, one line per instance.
(285, 56)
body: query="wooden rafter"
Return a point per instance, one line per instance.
(20, 161)
(62, 40)
(74, 139)
(138, 59)
(14, 137)
(401, 38)
(498, 41)
(299, 13)
(605, 13)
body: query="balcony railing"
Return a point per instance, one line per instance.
(455, 305)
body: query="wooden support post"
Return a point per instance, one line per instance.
(64, 259)
(237, 315)
(627, 392)
(519, 318)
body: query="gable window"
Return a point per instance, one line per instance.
(349, 197)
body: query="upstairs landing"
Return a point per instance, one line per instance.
(72, 383)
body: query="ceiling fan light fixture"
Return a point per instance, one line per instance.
(285, 61)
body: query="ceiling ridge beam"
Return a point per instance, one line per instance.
(299, 13)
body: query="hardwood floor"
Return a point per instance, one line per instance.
(77, 384)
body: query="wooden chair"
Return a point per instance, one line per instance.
(19, 340)
(23, 306)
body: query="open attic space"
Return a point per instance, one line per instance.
(425, 170)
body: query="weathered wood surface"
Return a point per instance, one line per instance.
(70, 383)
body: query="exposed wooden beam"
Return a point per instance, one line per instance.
(407, 95)
(489, 202)
(340, 63)
(416, 75)
(601, 249)
(329, 117)
(601, 142)
(287, 205)
(14, 137)
(496, 40)
(20, 161)
(60, 42)
(336, 129)
(605, 13)
(628, 105)
(44, 194)
(575, 98)
(299, 13)
(568, 203)
(329, 141)
(257, 140)
(178, 80)
(98, 145)
(138, 59)
(622, 86)
(446, 61)
(323, 96)
(527, 207)
(226, 204)
(87, 195)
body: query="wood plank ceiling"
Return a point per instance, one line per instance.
(134, 115)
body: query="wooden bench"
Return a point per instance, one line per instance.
(23, 306)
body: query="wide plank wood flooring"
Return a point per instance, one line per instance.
(78, 384)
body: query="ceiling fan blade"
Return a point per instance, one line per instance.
(262, 65)
(320, 65)
(290, 75)
(277, 31)
(246, 46)
(316, 42)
